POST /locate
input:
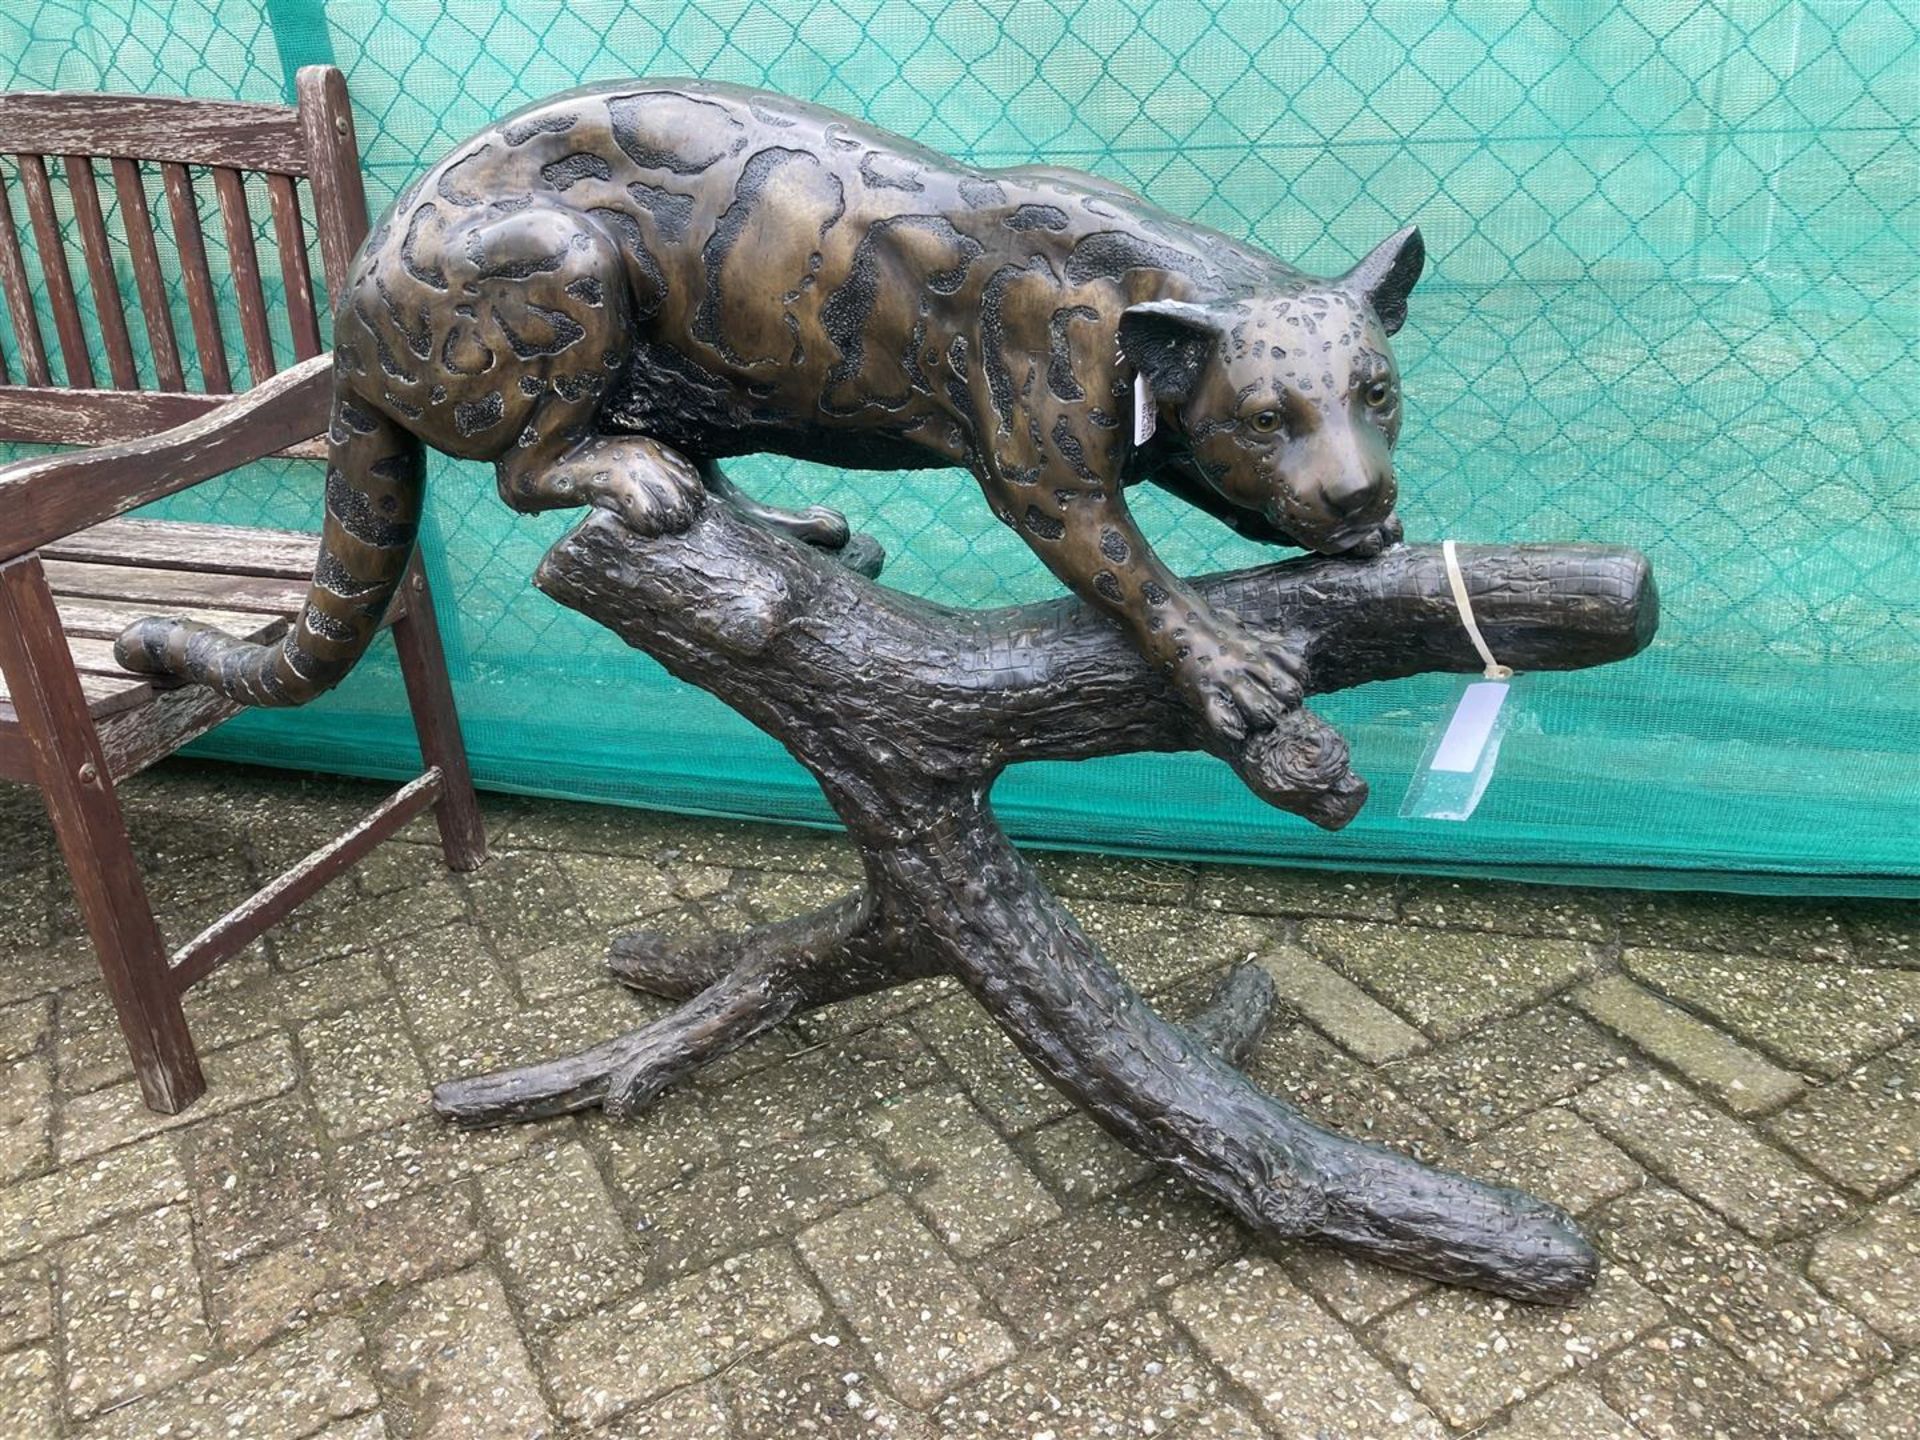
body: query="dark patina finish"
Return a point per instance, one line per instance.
(612, 290)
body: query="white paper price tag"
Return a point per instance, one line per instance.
(1467, 733)
(1145, 417)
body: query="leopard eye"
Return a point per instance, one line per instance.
(1266, 421)
(1378, 394)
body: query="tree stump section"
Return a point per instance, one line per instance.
(906, 712)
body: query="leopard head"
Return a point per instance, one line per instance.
(1286, 403)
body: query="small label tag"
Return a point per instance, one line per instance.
(1471, 727)
(1145, 416)
(1459, 762)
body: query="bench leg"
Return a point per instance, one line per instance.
(423, 665)
(80, 799)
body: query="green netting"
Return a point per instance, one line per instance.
(1672, 302)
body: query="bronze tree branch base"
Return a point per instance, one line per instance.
(906, 712)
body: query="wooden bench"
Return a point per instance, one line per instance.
(73, 573)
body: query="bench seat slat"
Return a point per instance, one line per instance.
(182, 545)
(95, 658)
(249, 583)
(106, 694)
(164, 589)
(139, 721)
(105, 619)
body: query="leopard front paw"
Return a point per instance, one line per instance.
(1240, 683)
(654, 490)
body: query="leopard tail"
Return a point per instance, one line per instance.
(375, 483)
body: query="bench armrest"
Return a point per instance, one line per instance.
(44, 499)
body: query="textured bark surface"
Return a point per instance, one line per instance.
(906, 712)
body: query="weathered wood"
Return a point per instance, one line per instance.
(137, 726)
(74, 779)
(333, 159)
(58, 416)
(271, 904)
(20, 309)
(107, 694)
(137, 220)
(188, 238)
(243, 260)
(290, 238)
(115, 694)
(185, 545)
(165, 588)
(43, 499)
(135, 739)
(105, 619)
(185, 131)
(54, 269)
(16, 756)
(55, 415)
(423, 667)
(101, 280)
(94, 657)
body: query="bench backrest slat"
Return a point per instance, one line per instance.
(244, 262)
(290, 241)
(76, 253)
(148, 277)
(59, 277)
(101, 280)
(183, 206)
(13, 279)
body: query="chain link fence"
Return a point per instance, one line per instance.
(1672, 301)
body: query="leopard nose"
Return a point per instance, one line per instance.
(1366, 492)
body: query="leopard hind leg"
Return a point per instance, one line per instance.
(820, 526)
(541, 323)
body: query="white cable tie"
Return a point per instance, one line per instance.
(1458, 583)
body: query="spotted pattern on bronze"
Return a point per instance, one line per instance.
(610, 291)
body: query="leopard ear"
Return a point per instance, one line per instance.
(1168, 341)
(1387, 275)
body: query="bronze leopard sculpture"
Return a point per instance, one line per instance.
(614, 289)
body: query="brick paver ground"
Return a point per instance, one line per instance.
(877, 1222)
